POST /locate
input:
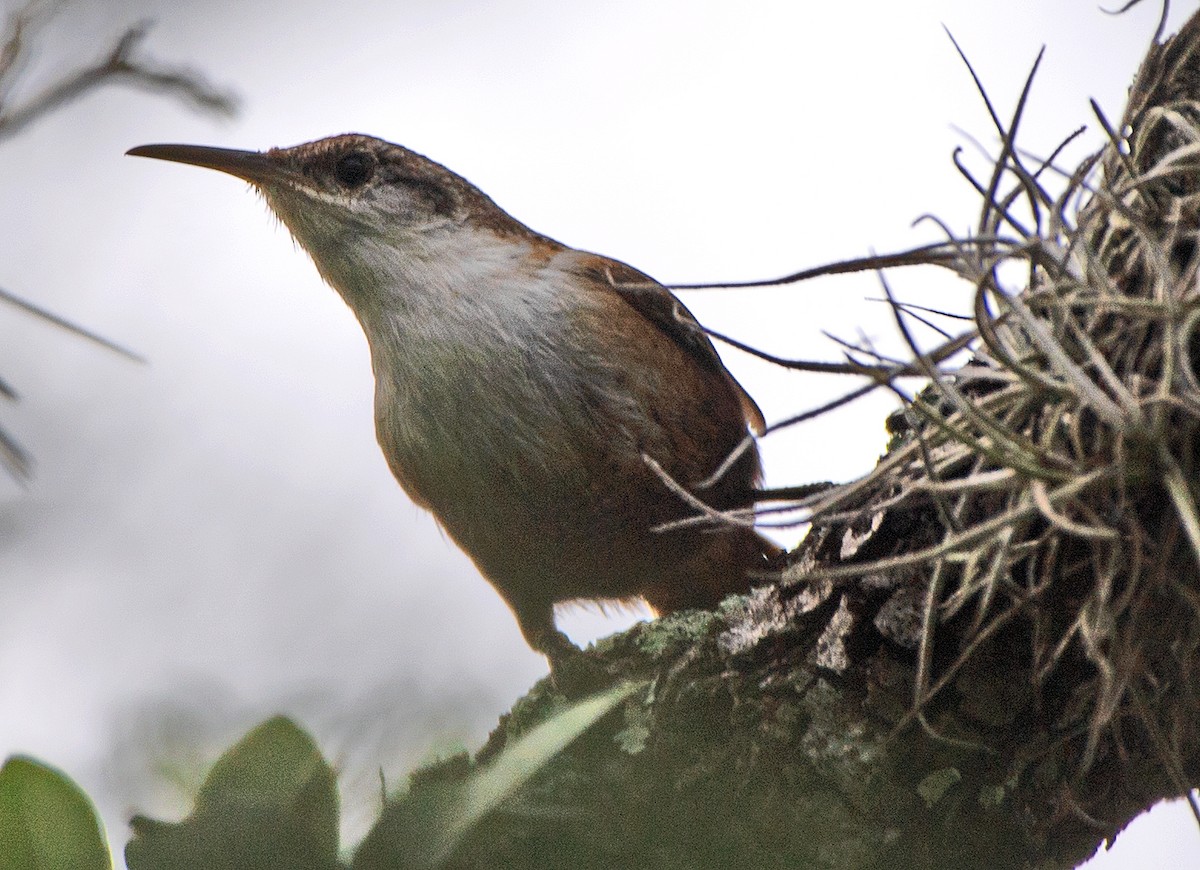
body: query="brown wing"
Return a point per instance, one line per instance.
(660, 306)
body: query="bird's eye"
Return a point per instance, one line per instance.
(354, 169)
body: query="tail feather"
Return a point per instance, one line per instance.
(729, 563)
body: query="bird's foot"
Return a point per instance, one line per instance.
(574, 673)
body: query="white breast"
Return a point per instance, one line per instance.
(477, 366)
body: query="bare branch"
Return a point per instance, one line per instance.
(61, 322)
(119, 66)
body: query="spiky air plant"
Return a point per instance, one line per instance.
(1037, 510)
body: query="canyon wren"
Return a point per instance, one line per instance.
(520, 385)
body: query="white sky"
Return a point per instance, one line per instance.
(214, 537)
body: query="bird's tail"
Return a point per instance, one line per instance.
(726, 563)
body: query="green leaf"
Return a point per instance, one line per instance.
(422, 830)
(269, 802)
(934, 786)
(274, 764)
(46, 821)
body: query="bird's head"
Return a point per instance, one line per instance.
(360, 206)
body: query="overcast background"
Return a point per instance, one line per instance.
(213, 537)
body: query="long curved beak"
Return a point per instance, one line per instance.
(256, 167)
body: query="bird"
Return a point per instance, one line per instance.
(538, 399)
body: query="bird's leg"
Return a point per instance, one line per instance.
(573, 671)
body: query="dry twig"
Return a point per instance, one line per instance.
(121, 65)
